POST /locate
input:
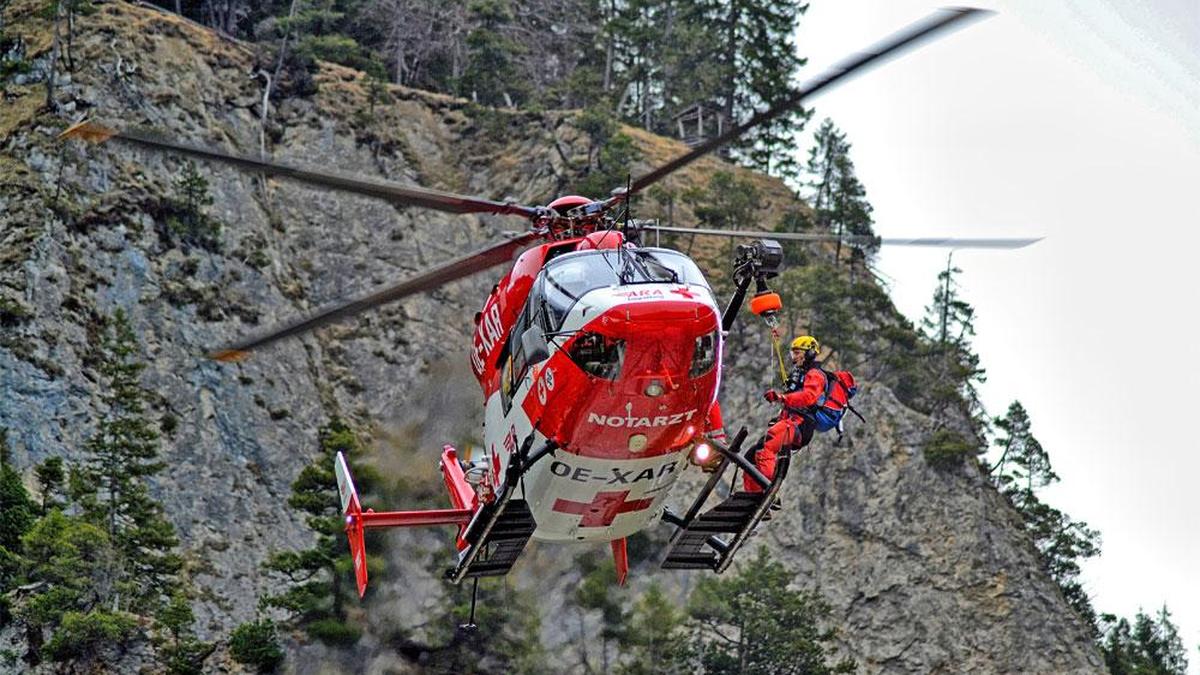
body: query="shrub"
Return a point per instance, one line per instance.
(255, 644)
(82, 634)
(333, 632)
(947, 449)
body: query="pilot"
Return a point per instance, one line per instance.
(804, 392)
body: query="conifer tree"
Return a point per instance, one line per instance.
(1023, 458)
(187, 219)
(727, 202)
(610, 156)
(320, 577)
(17, 510)
(651, 643)
(732, 57)
(511, 644)
(756, 59)
(950, 323)
(16, 517)
(491, 77)
(1024, 468)
(837, 197)
(111, 485)
(595, 592)
(1151, 646)
(181, 652)
(256, 644)
(50, 475)
(752, 623)
(70, 561)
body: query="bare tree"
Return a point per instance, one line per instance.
(425, 44)
(225, 15)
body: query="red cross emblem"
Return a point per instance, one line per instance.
(685, 292)
(603, 509)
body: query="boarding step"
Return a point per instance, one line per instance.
(698, 547)
(503, 543)
(711, 539)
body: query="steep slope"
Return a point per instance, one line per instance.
(927, 571)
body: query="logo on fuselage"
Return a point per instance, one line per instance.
(545, 385)
(489, 331)
(631, 422)
(640, 294)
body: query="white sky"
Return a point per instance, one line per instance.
(1080, 122)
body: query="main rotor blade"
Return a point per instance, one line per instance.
(853, 65)
(943, 242)
(427, 280)
(967, 242)
(392, 192)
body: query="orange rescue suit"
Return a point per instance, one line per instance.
(805, 386)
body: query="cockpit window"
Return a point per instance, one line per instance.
(659, 261)
(566, 279)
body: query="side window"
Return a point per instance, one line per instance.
(517, 362)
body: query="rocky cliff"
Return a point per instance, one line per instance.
(927, 571)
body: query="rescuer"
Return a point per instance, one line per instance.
(813, 400)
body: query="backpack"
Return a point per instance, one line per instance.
(827, 418)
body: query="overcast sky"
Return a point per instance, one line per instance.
(1080, 122)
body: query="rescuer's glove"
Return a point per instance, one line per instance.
(771, 395)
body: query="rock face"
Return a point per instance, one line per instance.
(927, 571)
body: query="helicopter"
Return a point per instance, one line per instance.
(599, 360)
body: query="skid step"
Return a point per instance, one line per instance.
(498, 547)
(711, 539)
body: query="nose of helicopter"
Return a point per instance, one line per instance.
(650, 374)
(661, 345)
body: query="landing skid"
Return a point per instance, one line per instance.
(711, 540)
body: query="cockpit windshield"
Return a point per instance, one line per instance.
(567, 278)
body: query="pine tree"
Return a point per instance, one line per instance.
(181, 653)
(187, 219)
(611, 154)
(837, 197)
(17, 510)
(111, 485)
(1024, 468)
(321, 582)
(256, 644)
(598, 591)
(512, 642)
(70, 562)
(753, 623)
(16, 518)
(50, 475)
(652, 642)
(1150, 647)
(491, 77)
(950, 323)
(733, 57)
(756, 61)
(1023, 458)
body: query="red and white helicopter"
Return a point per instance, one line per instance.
(599, 360)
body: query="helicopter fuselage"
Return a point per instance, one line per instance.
(623, 386)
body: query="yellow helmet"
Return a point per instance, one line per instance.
(808, 343)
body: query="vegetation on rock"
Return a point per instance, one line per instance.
(750, 622)
(185, 215)
(1150, 646)
(642, 62)
(99, 562)
(256, 644)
